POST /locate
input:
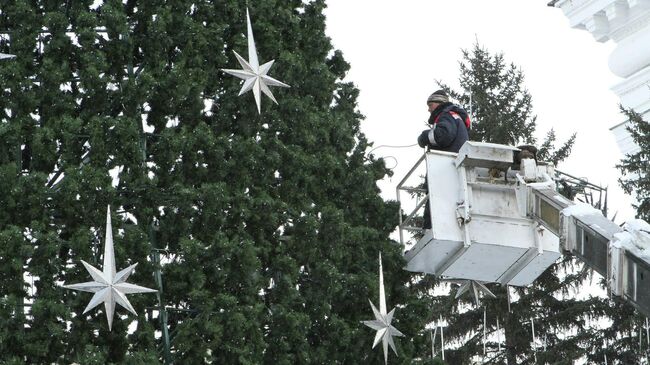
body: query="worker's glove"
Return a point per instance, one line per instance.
(426, 138)
(423, 138)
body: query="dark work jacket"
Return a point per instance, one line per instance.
(452, 130)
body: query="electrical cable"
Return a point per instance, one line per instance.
(391, 146)
(393, 157)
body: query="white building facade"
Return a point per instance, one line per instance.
(627, 23)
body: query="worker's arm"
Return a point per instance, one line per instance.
(445, 131)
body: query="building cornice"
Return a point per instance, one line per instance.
(626, 22)
(606, 19)
(639, 22)
(633, 82)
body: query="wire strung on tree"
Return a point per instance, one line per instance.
(434, 332)
(393, 157)
(647, 331)
(498, 335)
(442, 340)
(484, 329)
(392, 146)
(532, 330)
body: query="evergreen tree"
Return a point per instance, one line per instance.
(566, 329)
(627, 323)
(547, 151)
(635, 167)
(263, 230)
(501, 106)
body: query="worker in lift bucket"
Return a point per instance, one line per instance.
(449, 130)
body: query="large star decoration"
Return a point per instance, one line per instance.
(255, 76)
(4, 55)
(477, 287)
(109, 287)
(381, 324)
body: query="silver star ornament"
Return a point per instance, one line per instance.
(255, 76)
(109, 287)
(4, 55)
(477, 287)
(382, 322)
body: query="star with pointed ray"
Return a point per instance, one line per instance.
(109, 287)
(255, 76)
(477, 287)
(381, 324)
(4, 55)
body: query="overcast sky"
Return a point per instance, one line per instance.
(397, 49)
